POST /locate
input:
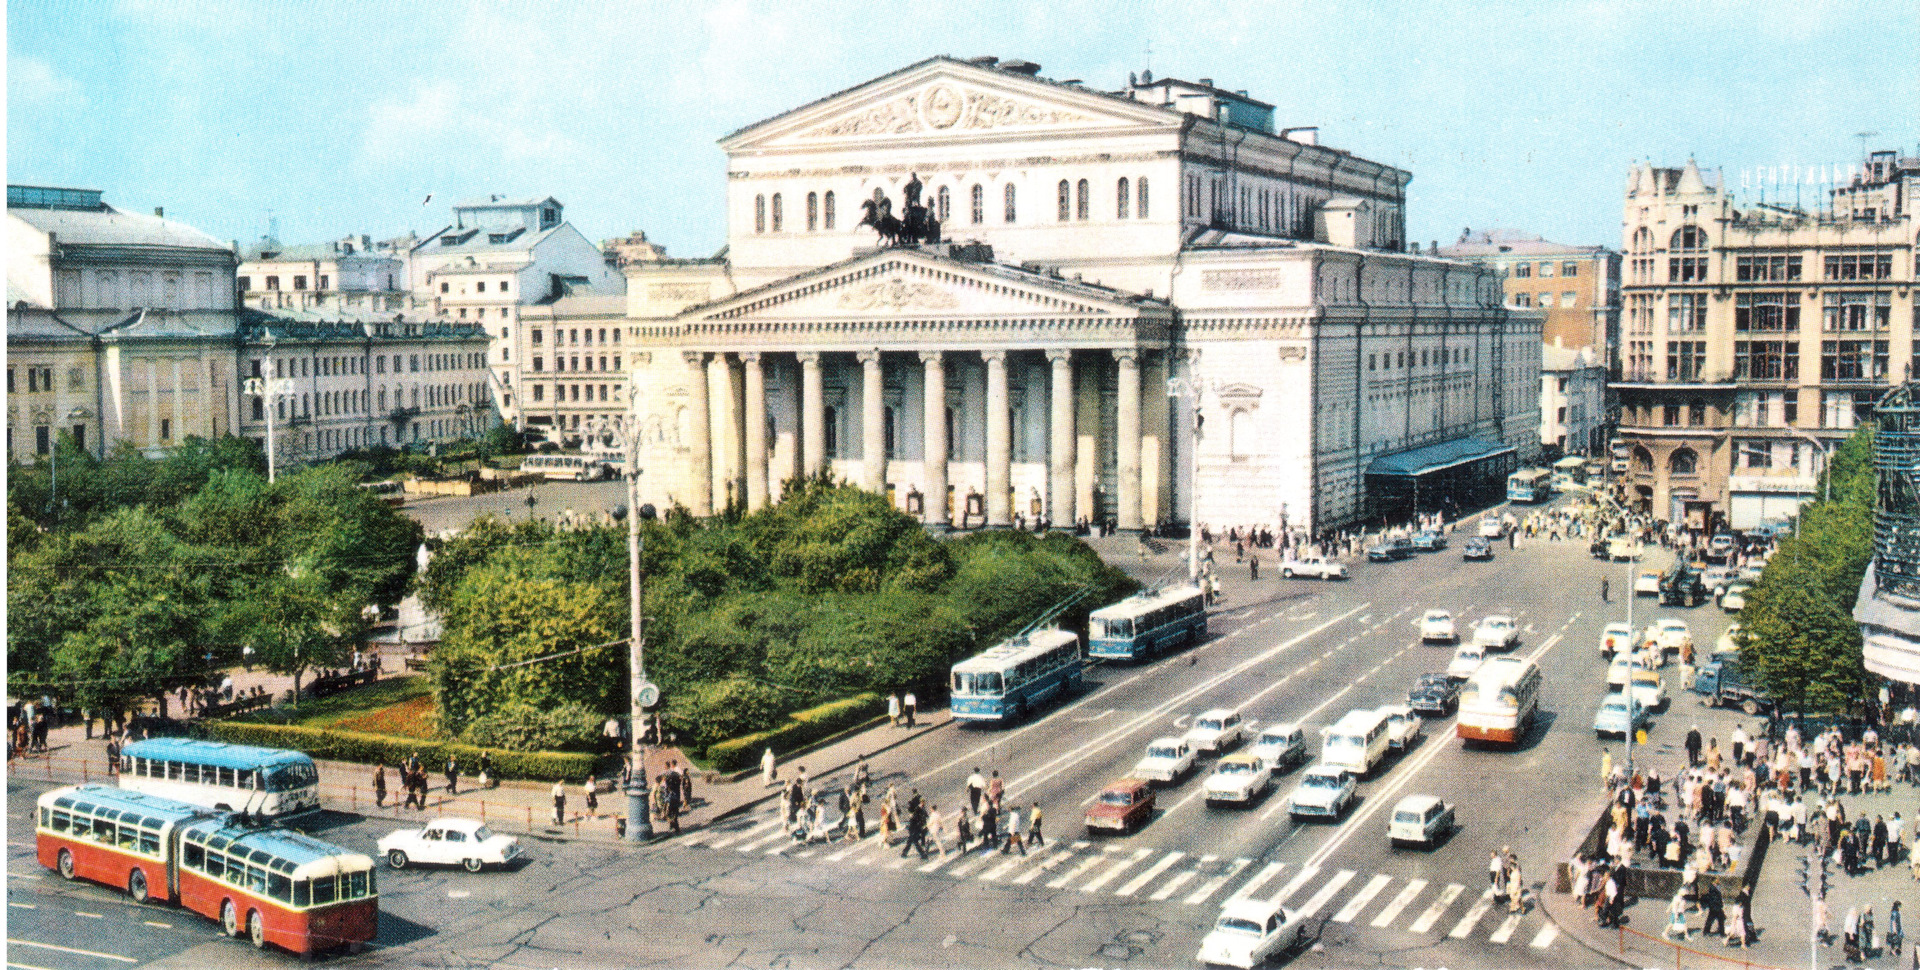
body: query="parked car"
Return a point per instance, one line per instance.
(449, 842)
(1477, 549)
(1388, 550)
(1324, 792)
(1318, 567)
(1750, 573)
(1624, 549)
(1248, 933)
(1404, 727)
(1612, 718)
(1437, 627)
(1419, 820)
(1429, 541)
(1491, 528)
(1719, 548)
(1216, 730)
(1670, 634)
(1435, 695)
(1717, 577)
(1616, 637)
(1123, 806)
(1729, 642)
(1239, 779)
(1280, 746)
(1498, 631)
(1734, 599)
(1167, 761)
(1466, 660)
(1649, 690)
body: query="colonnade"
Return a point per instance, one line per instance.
(1072, 456)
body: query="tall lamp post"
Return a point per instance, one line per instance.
(643, 693)
(1826, 462)
(53, 465)
(1190, 388)
(269, 390)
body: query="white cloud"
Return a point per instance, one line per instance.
(33, 84)
(397, 129)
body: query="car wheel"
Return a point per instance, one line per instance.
(257, 930)
(473, 865)
(229, 919)
(397, 859)
(1750, 707)
(66, 865)
(137, 885)
(1286, 574)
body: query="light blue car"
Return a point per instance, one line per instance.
(1612, 718)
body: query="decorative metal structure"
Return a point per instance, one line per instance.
(1896, 516)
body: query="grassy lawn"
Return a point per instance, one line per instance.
(401, 706)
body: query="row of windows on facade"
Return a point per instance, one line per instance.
(1407, 358)
(41, 379)
(570, 336)
(1261, 207)
(561, 363)
(344, 366)
(329, 440)
(273, 283)
(1775, 360)
(575, 392)
(1130, 201)
(1525, 270)
(1840, 312)
(1839, 410)
(479, 286)
(332, 403)
(1545, 300)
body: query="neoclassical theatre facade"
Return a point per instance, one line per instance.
(1095, 302)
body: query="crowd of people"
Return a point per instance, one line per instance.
(983, 819)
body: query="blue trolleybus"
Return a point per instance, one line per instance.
(229, 777)
(1147, 623)
(1006, 682)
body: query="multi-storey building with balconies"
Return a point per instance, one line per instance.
(1755, 337)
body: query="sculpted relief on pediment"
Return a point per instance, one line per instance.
(897, 293)
(942, 107)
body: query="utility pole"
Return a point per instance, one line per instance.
(642, 694)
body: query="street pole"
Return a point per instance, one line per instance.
(1189, 387)
(639, 807)
(1633, 656)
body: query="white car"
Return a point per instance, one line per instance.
(449, 842)
(1280, 746)
(1404, 727)
(1217, 730)
(1437, 627)
(1616, 637)
(1248, 933)
(1672, 634)
(1649, 690)
(1324, 791)
(1167, 760)
(1717, 577)
(1238, 778)
(1497, 632)
(1319, 567)
(1420, 819)
(1466, 660)
(1646, 582)
(1734, 598)
(1622, 667)
(1729, 641)
(1490, 528)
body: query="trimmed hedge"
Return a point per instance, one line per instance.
(803, 728)
(379, 748)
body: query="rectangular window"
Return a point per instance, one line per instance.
(166, 429)
(1523, 271)
(1843, 312)
(1671, 416)
(538, 335)
(1766, 360)
(1569, 269)
(273, 282)
(1853, 360)
(1778, 312)
(1863, 266)
(1686, 359)
(1686, 312)
(480, 286)
(1546, 270)
(539, 392)
(503, 289)
(1687, 269)
(300, 282)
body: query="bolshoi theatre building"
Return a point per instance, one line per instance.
(1146, 306)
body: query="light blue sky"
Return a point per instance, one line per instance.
(342, 117)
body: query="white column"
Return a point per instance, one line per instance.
(933, 470)
(756, 394)
(999, 440)
(1060, 441)
(1127, 440)
(725, 418)
(873, 417)
(700, 448)
(813, 414)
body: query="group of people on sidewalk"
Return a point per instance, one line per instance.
(983, 819)
(413, 779)
(1503, 873)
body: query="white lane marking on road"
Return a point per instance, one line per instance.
(1319, 900)
(966, 868)
(67, 949)
(1479, 909)
(1400, 902)
(1093, 859)
(1260, 878)
(1017, 732)
(937, 862)
(1439, 907)
(1304, 617)
(1096, 717)
(1173, 885)
(82, 912)
(1364, 619)
(1100, 882)
(164, 926)
(12, 965)
(1352, 909)
(1140, 881)
(993, 874)
(1376, 800)
(1046, 865)
(1213, 885)
(458, 894)
(23, 906)
(1286, 892)
(1546, 936)
(750, 832)
(1505, 932)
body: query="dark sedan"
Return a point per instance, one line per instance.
(1389, 550)
(1477, 548)
(1435, 695)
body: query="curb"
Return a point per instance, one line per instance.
(750, 803)
(1569, 819)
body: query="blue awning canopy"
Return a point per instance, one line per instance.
(1425, 460)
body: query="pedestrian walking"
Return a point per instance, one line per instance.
(1850, 935)
(1693, 743)
(1516, 886)
(996, 790)
(1015, 838)
(1253, 567)
(1604, 598)
(1737, 924)
(113, 756)
(559, 803)
(1676, 917)
(767, 769)
(1896, 931)
(1715, 905)
(911, 705)
(1866, 933)
(860, 811)
(935, 827)
(990, 827)
(380, 786)
(893, 709)
(487, 777)
(591, 790)
(1035, 837)
(667, 781)
(453, 776)
(1495, 867)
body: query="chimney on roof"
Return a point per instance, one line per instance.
(1207, 81)
(159, 212)
(1028, 68)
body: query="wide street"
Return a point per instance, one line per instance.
(741, 893)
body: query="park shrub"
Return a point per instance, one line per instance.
(802, 728)
(721, 709)
(522, 727)
(372, 749)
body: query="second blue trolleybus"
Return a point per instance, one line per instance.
(1147, 623)
(1006, 682)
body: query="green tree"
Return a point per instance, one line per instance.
(292, 624)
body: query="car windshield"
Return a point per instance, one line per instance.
(482, 834)
(1122, 798)
(1404, 816)
(1163, 751)
(1234, 768)
(1208, 724)
(1615, 704)
(1273, 740)
(1234, 924)
(1322, 781)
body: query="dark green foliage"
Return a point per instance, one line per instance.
(565, 727)
(801, 728)
(375, 749)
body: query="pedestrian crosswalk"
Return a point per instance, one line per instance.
(1381, 901)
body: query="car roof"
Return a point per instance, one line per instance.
(1417, 802)
(1253, 910)
(1158, 741)
(1287, 728)
(1326, 769)
(1626, 627)
(1240, 758)
(1394, 709)
(1498, 618)
(1218, 712)
(1126, 785)
(464, 824)
(1439, 613)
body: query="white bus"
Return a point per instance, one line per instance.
(1499, 701)
(230, 777)
(1356, 742)
(579, 468)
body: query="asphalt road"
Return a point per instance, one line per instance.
(742, 894)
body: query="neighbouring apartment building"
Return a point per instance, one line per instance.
(352, 273)
(1755, 336)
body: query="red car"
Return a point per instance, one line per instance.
(1125, 805)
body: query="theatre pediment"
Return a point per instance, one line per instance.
(892, 284)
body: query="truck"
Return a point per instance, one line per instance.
(1682, 585)
(1722, 684)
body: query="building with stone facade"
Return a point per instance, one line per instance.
(1099, 250)
(1578, 287)
(1573, 401)
(352, 273)
(1755, 337)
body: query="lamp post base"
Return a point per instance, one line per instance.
(639, 814)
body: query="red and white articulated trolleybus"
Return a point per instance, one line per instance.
(269, 885)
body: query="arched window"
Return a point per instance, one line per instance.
(813, 211)
(1683, 462)
(1642, 459)
(1012, 208)
(759, 213)
(1080, 210)
(943, 204)
(776, 212)
(1140, 208)
(1066, 200)
(1688, 239)
(1122, 199)
(978, 196)
(826, 212)
(1642, 240)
